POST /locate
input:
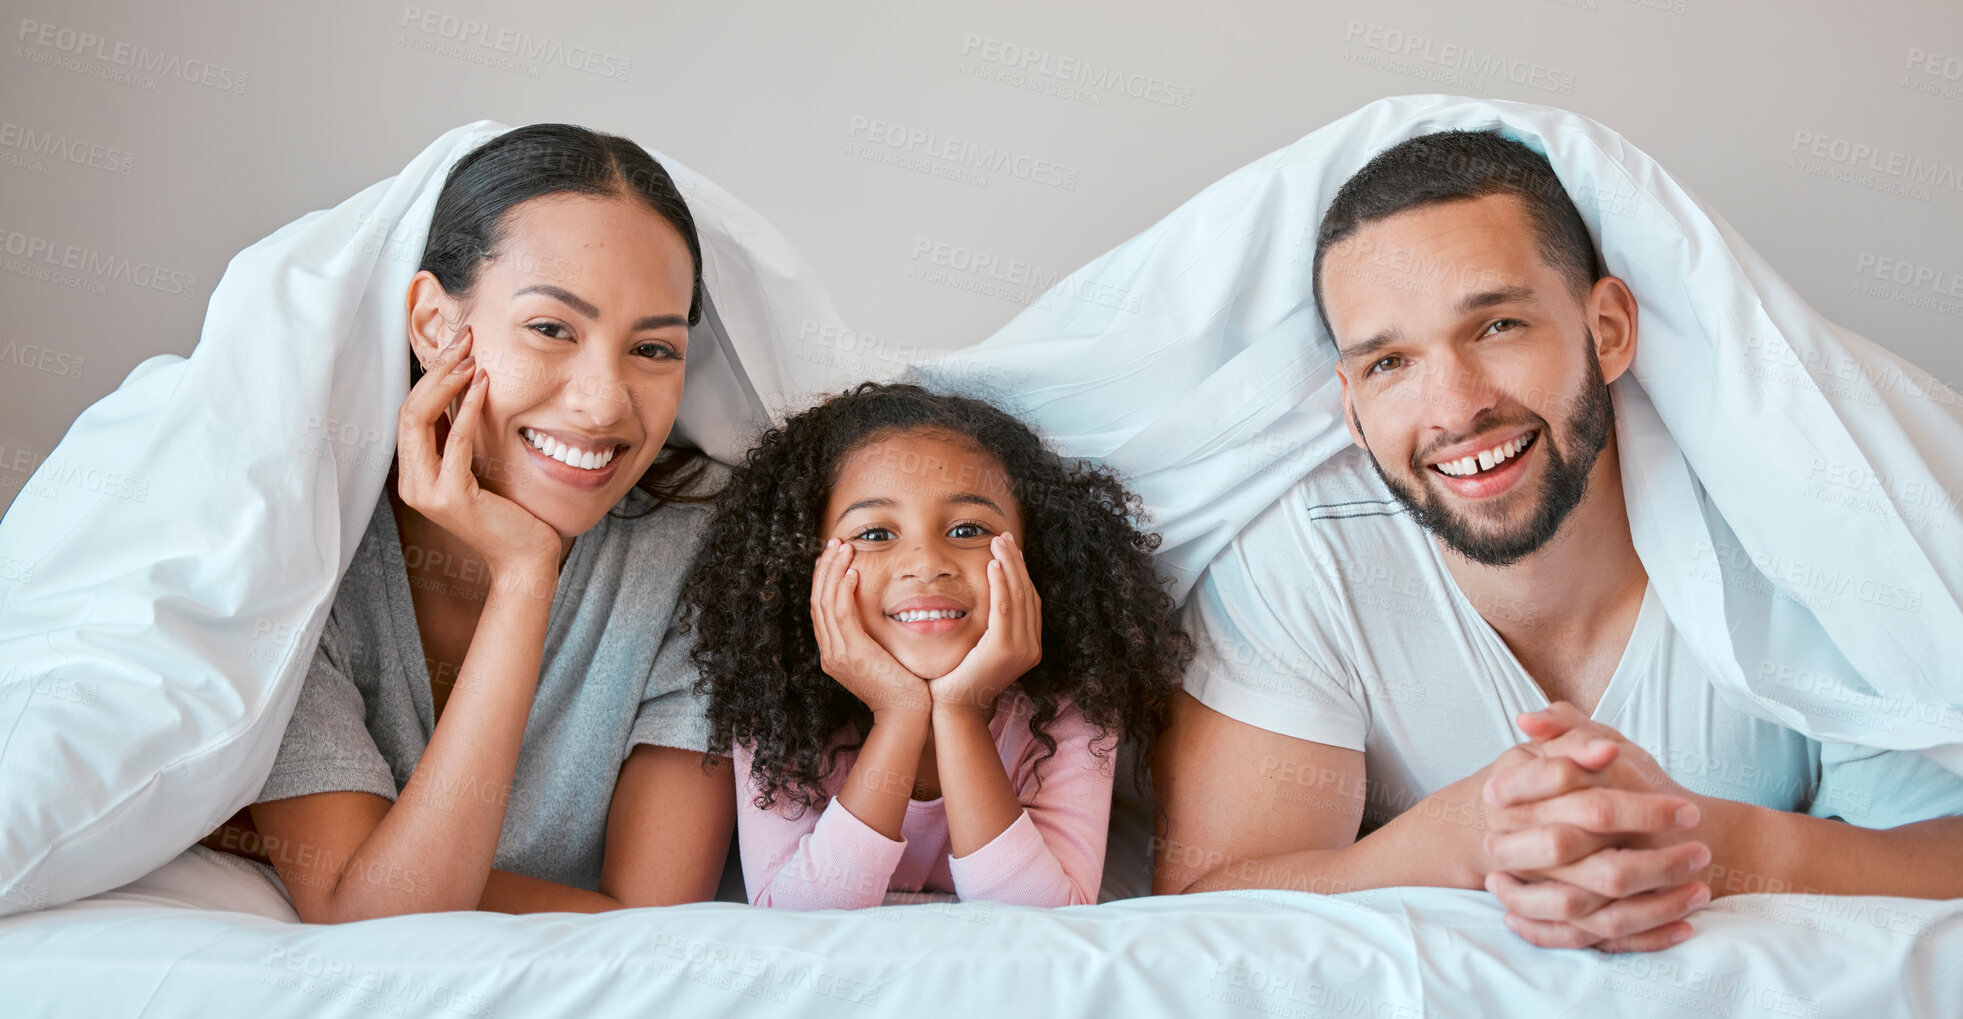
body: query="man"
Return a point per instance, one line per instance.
(1369, 642)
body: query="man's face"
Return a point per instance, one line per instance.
(1469, 373)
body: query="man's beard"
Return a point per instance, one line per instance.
(1564, 481)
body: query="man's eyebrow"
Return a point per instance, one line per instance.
(564, 296)
(1487, 298)
(1371, 345)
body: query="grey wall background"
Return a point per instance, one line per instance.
(158, 139)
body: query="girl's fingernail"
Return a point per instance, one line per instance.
(833, 543)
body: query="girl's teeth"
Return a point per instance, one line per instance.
(583, 459)
(922, 616)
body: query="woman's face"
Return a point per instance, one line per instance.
(580, 318)
(919, 509)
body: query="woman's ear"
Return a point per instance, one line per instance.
(433, 317)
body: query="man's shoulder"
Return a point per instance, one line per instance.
(1339, 514)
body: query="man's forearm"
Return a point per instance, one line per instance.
(1759, 849)
(1436, 843)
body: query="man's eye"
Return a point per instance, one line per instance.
(966, 531)
(873, 534)
(1385, 364)
(1510, 324)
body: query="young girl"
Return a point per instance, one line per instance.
(498, 715)
(907, 713)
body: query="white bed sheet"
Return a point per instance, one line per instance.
(206, 936)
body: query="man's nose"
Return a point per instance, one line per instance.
(1457, 391)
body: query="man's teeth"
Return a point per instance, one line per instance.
(1486, 460)
(568, 455)
(924, 615)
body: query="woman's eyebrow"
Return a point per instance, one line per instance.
(564, 296)
(586, 308)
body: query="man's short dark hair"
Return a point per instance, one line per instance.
(1451, 166)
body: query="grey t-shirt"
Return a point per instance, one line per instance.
(613, 675)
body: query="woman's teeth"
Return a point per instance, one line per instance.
(923, 616)
(568, 455)
(1486, 460)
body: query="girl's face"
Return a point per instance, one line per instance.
(919, 509)
(580, 318)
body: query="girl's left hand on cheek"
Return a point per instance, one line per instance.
(1012, 644)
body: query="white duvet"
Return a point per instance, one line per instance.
(204, 936)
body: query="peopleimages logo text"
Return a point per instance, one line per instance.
(164, 64)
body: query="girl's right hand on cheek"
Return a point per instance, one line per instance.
(846, 652)
(443, 488)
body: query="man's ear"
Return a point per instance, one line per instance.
(1611, 316)
(1349, 412)
(433, 316)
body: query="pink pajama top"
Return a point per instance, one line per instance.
(1052, 855)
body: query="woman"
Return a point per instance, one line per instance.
(498, 716)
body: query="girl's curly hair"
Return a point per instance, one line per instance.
(1112, 641)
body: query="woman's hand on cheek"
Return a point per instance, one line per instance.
(1011, 646)
(846, 652)
(442, 487)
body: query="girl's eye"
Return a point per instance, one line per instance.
(1384, 364)
(966, 531)
(552, 330)
(1510, 324)
(868, 534)
(658, 352)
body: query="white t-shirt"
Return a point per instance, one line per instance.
(1331, 617)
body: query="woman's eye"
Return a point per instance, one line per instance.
(1385, 364)
(966, 531)
(873, 534)
(658, 352)
(552, 330)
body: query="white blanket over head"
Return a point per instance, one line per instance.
(185, 539)
(1792, 487)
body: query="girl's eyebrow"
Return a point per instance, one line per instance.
(876, 501)
(973, 499)
(958, 498)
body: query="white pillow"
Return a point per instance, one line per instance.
(165, 574)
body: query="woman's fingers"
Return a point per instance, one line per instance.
(415, 422)
(463, 435)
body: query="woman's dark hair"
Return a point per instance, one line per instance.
(1112, 642)
(548, 159)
